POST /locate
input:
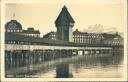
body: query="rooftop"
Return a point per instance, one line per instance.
(64, 17)
(111, 36)
(13, 24)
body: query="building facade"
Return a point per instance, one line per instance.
(13, 26)
(91, 38)
(112, 39)
(51, 35)
(84, 37)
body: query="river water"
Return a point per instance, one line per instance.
(89, 66)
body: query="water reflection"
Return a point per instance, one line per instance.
(101, 65)
(88, 66)
(63, 71)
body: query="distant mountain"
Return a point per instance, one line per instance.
(98, 28)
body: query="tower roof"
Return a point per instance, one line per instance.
(64, 17)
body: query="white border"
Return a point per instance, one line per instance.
(56, 79)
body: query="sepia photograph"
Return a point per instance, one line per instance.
(68, 40)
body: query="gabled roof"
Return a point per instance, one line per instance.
(64, 17)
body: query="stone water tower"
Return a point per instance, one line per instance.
(64, 24)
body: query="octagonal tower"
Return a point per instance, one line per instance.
(64, 24)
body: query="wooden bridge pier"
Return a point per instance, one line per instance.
(16, 58)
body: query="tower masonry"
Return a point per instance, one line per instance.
(64, 24)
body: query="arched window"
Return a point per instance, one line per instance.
(11, 42)
(8, 30)
(17, 42)
(17, 30)
(11, 30)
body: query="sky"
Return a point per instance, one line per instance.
(86, 13)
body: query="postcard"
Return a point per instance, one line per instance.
(64, 40)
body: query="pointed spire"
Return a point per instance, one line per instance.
(13, 16)
(64, 7)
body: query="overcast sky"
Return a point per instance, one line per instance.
(43, 15)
